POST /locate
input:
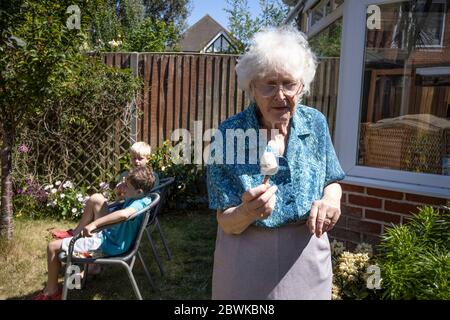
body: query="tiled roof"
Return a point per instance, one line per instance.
(200, 34)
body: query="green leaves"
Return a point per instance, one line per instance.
(415, 258)
(243, 26)
(127, 29)
(150, 36)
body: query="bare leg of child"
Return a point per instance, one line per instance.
(53, 265)
(96, 207)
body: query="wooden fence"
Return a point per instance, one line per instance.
(182, 88)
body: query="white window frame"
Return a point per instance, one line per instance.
(349, 108)
(326, 19)
(221, 33)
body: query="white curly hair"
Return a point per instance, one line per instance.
(277, 49)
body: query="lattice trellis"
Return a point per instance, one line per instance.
(90, 158)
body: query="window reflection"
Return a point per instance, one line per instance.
(405, 116)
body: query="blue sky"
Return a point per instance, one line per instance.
(215, 9)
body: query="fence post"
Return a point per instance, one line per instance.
(134, 65)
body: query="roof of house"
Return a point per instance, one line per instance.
(200, 34)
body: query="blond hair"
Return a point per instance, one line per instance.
(141, 148)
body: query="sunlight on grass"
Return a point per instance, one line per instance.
(191, 237)
(23, 260)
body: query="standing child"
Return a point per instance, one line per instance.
(113, 241)
(97, 203)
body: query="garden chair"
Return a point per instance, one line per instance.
(162, 189)
(125, 260)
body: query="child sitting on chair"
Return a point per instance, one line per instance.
(140, 152)
(113, 241)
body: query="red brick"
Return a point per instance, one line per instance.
(351, 211)
(344, 234)
(363, 226)
(342, 222)
(400, 207)
(364, 201)
(352, 188)
(385, 193)
(425, 199)
(382, 216)
(344, 199)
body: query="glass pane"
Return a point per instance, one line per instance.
(323, 96)
(316, 13)
(328, 7)
(337, 3)
(405, 115)
(225, 45)
(327, 43)
(217, 45)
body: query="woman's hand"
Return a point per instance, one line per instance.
(323, 215)
(259, 202)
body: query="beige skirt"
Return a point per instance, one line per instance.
(283, 263)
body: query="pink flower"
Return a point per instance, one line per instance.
(23, 149)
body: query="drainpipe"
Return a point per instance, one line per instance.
(294, 11)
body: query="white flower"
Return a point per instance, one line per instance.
(48, 187)
(62, 195)
(74, 210)
(53, 203)
(364, 248)
(67, 184)
(57, 183)
(163, 168)
(337, 247)
(80, 199)
(114, 44)
(79, 195)
(54, 191)
(104, 185)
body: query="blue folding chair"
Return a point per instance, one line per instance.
(125, 260)
(162, 189)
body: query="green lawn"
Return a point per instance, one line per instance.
(191, 237)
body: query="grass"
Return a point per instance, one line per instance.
(191, 237)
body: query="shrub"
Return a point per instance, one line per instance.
(350, 272)
(415, 258)
(68, 140)
(61, 199)
(189, 189)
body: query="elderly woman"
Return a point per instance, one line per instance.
(272, 237)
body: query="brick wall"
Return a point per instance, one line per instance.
(367, 211)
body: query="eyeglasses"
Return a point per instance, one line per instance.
(268, 90)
